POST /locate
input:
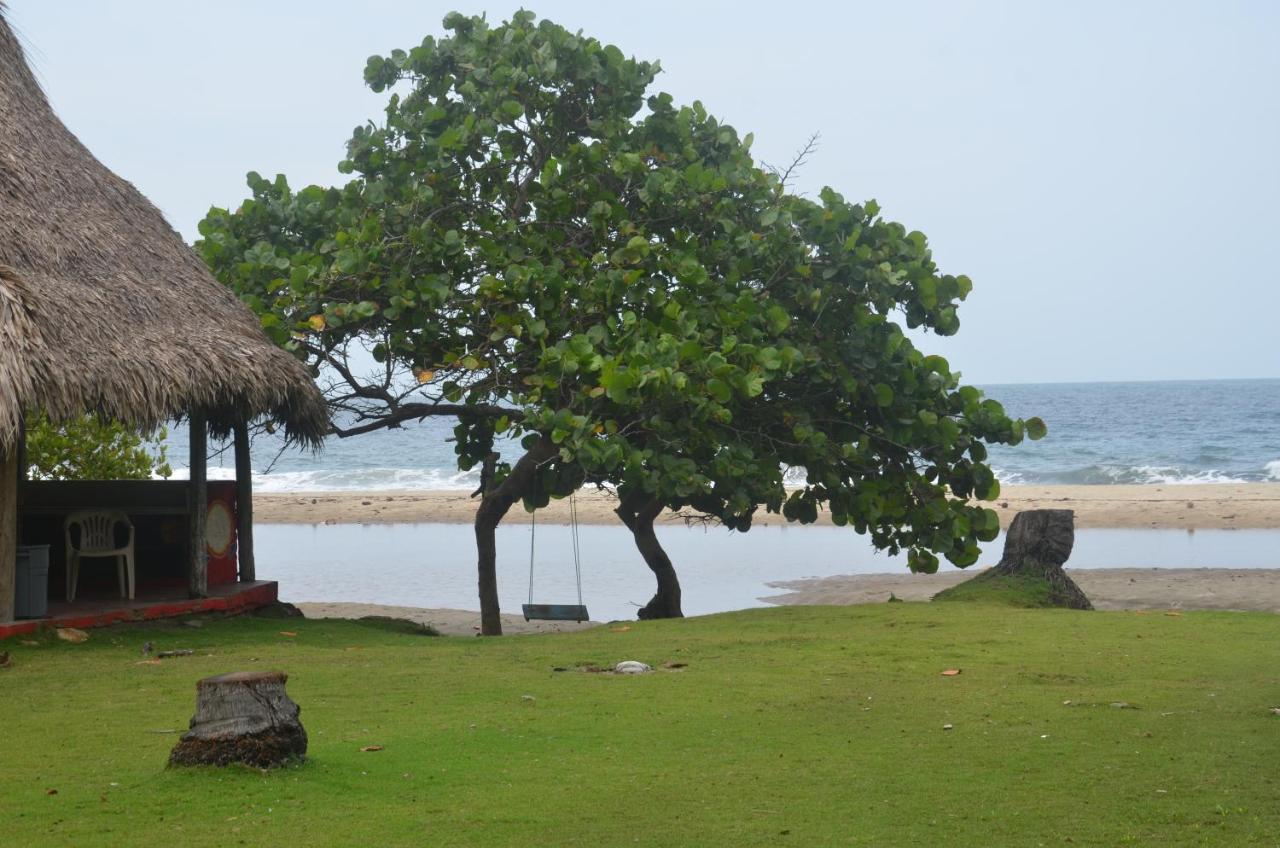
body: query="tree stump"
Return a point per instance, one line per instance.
(1036, 546)
(242, 717)
(1038, 543)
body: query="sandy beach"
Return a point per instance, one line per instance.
(1109, 589)
(449, 622)
(1180, 507)
(1137, 589)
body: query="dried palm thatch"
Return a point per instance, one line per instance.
(103, 308)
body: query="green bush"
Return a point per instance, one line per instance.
(90, 448)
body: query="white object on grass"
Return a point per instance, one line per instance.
(631, 667)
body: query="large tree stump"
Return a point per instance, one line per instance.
(242, 717)
(1036, 545)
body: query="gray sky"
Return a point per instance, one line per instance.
(1107, 173)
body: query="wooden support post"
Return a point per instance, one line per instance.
(8, 531)
(244, 504)
(198, 504)
(23, 462)
(22, 449)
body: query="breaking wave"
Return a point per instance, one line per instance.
(351, 480)
(1111, 475)
(435, 479)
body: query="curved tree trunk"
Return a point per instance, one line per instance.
(639, 515)
(494, 505)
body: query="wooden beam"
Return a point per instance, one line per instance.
(244, 505)
(198, 502)
(8, 531)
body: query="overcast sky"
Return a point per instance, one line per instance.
(1107, 173)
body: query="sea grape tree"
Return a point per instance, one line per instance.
(533, 243)
(92, 448)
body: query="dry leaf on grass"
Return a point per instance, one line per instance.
(148, 662)
(368, 748)
(950, 672)
(71, 634)
(287, 633)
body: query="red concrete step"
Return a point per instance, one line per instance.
(228, 598)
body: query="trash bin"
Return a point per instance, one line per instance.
(32, 589)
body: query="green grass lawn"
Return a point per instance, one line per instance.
(800, 725)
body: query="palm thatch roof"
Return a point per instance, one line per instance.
(103, 308)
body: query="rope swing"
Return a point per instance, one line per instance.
(557, 612)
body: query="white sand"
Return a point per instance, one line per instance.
(1198, 507)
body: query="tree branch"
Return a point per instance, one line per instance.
(419, 411)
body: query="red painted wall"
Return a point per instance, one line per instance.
(220, 532)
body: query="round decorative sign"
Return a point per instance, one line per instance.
(217, 528)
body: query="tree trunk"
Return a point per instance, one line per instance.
(244, 505)
(1037, 544)
(494, 505)
(243, 717)
(198, 502)
(639, 515)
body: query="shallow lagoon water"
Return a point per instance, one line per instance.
(433, 565)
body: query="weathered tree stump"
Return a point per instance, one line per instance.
(242, 717)
(1036, 546)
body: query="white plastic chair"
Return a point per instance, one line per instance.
(98, 539)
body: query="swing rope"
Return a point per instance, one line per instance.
(577, 557)
(577, 561)
(533, 532)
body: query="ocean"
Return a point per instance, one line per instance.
(1216, 431)
(1099, 433)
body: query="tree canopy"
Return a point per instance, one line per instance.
(533, 243)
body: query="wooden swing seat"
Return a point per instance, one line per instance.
(555, 612)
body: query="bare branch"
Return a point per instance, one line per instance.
(798, 162)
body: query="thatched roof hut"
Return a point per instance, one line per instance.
(103, 308)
